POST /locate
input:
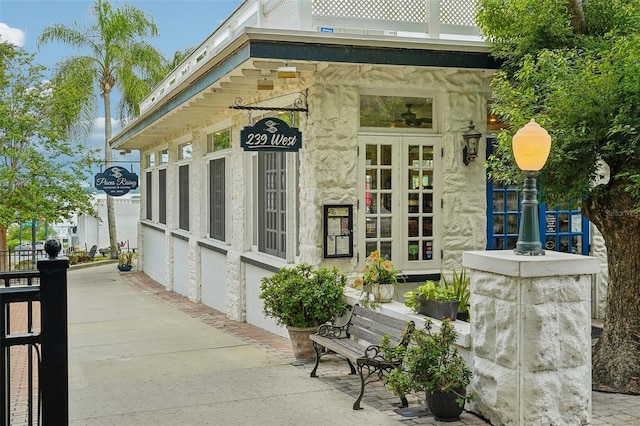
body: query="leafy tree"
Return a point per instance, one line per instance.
(573, 66)
(116, 55)
(41, 166)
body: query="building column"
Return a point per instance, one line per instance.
(531, 336)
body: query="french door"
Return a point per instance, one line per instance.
(401, 191)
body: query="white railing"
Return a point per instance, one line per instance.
(428, 19)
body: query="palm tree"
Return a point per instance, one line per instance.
(115, 54)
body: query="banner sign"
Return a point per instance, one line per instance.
(270, 134)
(116, 181)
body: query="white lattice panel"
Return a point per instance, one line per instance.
(283, 14)
(458, 12)
(376, 10)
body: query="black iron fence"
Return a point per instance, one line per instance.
(34, 345)
(20, 260)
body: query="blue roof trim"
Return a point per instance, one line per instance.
(372, 55)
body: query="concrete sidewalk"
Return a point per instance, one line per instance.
(134, 360)
(140, 355)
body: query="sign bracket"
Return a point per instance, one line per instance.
(300, 104)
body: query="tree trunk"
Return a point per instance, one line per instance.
(108, 157)
(616, 357)
(578, 22)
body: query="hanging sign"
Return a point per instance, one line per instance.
(271, 134)
(116, 181)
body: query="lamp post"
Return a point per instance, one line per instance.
(531, 145)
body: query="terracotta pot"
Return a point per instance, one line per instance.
(300, 342)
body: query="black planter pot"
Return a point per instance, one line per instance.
(439, 310)
(463, 316)
(124, 267)
(444, 407)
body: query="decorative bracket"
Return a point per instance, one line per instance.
(299, 104)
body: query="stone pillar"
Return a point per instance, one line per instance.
(531, 337)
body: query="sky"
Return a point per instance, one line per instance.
(181, 24)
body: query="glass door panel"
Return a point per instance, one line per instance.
(420, 183)
(378, 199)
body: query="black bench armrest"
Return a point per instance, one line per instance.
(373, 355)
(332, 331)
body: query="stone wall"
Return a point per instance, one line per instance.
(328, 163)
(531, 337)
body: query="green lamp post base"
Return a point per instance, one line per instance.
(529, 233)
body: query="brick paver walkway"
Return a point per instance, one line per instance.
(19, 366)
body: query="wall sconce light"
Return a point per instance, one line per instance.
(287, 72)
(265, 84)
(471, 140)
(531, 145)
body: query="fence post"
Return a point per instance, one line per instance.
(54, 372)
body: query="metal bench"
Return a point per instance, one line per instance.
(358, 340)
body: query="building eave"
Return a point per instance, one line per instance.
(260, 51)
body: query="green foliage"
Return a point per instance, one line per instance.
(114, 52)
(579, 79)
(304, 296)
(41, 170)
(460, 285)
(76, 257)
(125, 258)
(17, 233)
(376, 271)
(430, 290)
(581, 87)
(430, 363)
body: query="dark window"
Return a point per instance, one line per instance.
(162, 196)
(148, 195)
(183, 197)
(561, 228)
(272, 203)
(216, 199)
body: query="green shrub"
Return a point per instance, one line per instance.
(303, 296)
(79, 257)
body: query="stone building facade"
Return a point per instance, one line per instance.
(381, 105)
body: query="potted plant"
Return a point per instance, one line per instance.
(437, 300)
(460, 284)
(302, 298)
(431, 364)
(379, 280)
(125, 260)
